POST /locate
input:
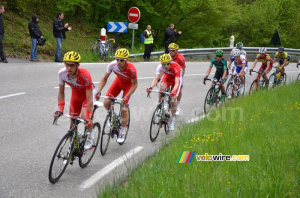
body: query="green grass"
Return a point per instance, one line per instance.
(264, 126)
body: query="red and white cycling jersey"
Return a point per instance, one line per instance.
(123, 80)
(124, 76)
(79, 86)
(180, 60)
(82, 83)
(174, 71)
(170, 75)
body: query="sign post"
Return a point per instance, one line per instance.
(133, 16)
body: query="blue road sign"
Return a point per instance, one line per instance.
(117, 27)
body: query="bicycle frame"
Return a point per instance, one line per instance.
(162, 104)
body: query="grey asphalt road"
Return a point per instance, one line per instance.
(28, 138)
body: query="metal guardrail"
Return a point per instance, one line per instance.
(209, 52)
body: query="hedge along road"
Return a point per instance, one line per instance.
(28, 139)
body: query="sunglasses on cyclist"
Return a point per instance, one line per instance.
(165, 64)
(120, 59)
(220, 56)
(171, 50)
(70, 64)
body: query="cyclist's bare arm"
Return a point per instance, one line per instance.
(155, 80)
(177, 82)
(284, 63)
(61, 93)
(132, 88)
(243, 68)
(254, 64)
(208, 71)
(103, 82)
(89, 98)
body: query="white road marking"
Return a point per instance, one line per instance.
(110, 167)
(7, 96)
(197, 118)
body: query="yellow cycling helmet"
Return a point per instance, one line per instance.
(122, 53)
(165, 58)
(72, 57)
(173, 46)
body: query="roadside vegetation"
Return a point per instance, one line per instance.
(204, 24)
(264, 125)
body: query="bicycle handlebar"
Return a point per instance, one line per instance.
(162, 92)
(112, 98)
(75, 118)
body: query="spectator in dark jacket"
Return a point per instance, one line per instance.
(2, 31)
(170, 35)
(35, 34)
(59, 32)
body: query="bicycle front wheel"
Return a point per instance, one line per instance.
(105, 135)
(253, 86)
(61, 158)
(283, 78)
(87, 155)
(208, 102)
(272, 81)
(155, 124)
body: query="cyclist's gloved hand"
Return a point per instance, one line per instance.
(126, 99)
(57, 114)
(149, 89)
(97, 96)
(88, 118)
(173, 93)
(251, 70)
(221, 81)
(204, 79)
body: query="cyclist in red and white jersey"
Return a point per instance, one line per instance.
(178, 58)
(125, 81)
(80, 81)
(172, 76)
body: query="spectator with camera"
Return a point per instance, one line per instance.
(35, 34)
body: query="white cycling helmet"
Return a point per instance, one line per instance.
(262, 50)
(236, 52)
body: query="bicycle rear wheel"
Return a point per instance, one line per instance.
(209, 100)
(87, 155)
(105, 135)
(253, 86)
(155, 124)
(228, 88)
(91, 46)
(99, 52)
(283, 78)
(61, 158)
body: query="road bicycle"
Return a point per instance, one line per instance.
(102, 51)
(161, 115)
(258, 83)
(112, 123)
(276, 78)
(71, 147)
(213, 96)
(233, 88)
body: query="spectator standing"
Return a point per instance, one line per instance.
(59, 32)
(170, 35)
(148, 42)
(2, 31)
(35, 34)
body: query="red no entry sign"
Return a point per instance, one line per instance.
(134, 14)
